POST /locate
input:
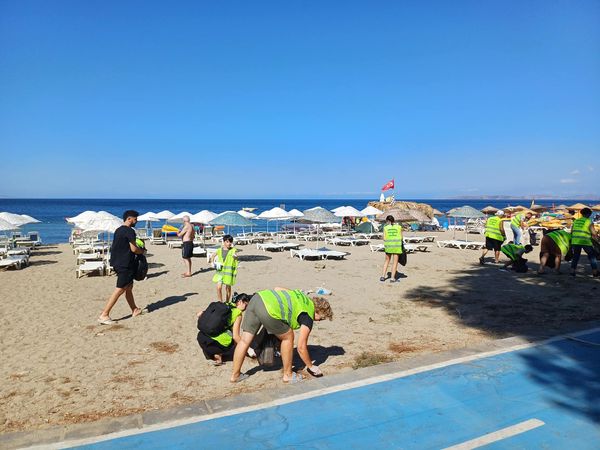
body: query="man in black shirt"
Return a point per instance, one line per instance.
(122, 259)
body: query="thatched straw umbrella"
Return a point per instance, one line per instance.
(438, 213)
(489, 210)
(399, 215)
(577, 207)
(596, 208)
(539, 208)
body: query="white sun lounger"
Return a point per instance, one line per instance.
(18, 261)
(89, 267)
(175, 244)
(83, 257)
(412, 239)
(334, 254)
(347, 241)
(306, 253)
(461, 244)
(198, 251)
(376, 247)
(277, 247)
(411, 248)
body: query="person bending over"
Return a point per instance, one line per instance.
(281, 311)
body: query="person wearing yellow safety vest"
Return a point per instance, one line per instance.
(515, 254)
(215, 348)
(225, 263)
(281, 311)
(494, 236)
(517, 224)
(553, 246)
(582, 234)
(393, 247)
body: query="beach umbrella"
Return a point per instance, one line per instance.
(348, 211)
(596, 208)
(29, 219)
(230, 219)
(275, 214)
(577, 207)
(7, 226)
(247, 214)
(371, 211)
(81, 217)
(178, 218)
(538, 208)
(15, 219)
(464, 212)
(149, 217)
(165, 215)
(295, 214)
(561, 207)
(203, 217)
(334, 210)
(419, 215)
(489, 210)
(437, 213)
(318, 215)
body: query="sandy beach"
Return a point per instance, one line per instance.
(59, 366)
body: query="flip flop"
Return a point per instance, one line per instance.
(314, 374)
(106, 322)
(217, 364)
(382, 279)
(142, 311)
(296, 378)
(242, 377)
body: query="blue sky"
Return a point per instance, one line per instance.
(296, 99)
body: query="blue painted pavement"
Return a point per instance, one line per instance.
(557, 383)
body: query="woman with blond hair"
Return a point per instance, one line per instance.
(281, 311)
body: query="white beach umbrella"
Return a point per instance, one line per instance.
(371, 211)
(295, 214)
(178, 218)
(203, 217)
(29, 219)
(7, 226)
(247, 214)
(101, 224)
(348, 211)
(165, 215)
(276, 214)
(14, 219)
(334, 210)
(149, 217)
(81, 217)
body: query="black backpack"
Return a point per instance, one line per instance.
(141, 267)
(215, 319)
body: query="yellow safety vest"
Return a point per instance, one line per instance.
(516, 221)
(492, 229)
(513, 251)
(392, 239)
(226, 337)
(228, 270)
(287, 305)
(580, 233)
(562, 240)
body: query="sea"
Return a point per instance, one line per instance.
(53, 212)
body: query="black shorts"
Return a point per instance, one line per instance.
(187, 250)
(124, 277)
(493, 244)
(210, 347)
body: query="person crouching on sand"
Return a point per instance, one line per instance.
(281, 311)
(225, 262)
(217, 347)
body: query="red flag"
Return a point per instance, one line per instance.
(388, 185)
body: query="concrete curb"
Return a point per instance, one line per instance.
(58, 436)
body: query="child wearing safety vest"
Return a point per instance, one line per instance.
(225, 263)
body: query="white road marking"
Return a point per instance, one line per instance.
(498, 435)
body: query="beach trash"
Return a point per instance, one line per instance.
(323, 291)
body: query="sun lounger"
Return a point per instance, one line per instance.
(199, 251)
(17, 251)
(377, 247)
(412, 239)
(306, 253)
(83, 257)
(90, 267)
(332, 254)
(411, 248)
(175, 244)
(157, 238)
(239, 240)
(277, 246)
(18, 261)
(461, 244)
(347, 241)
